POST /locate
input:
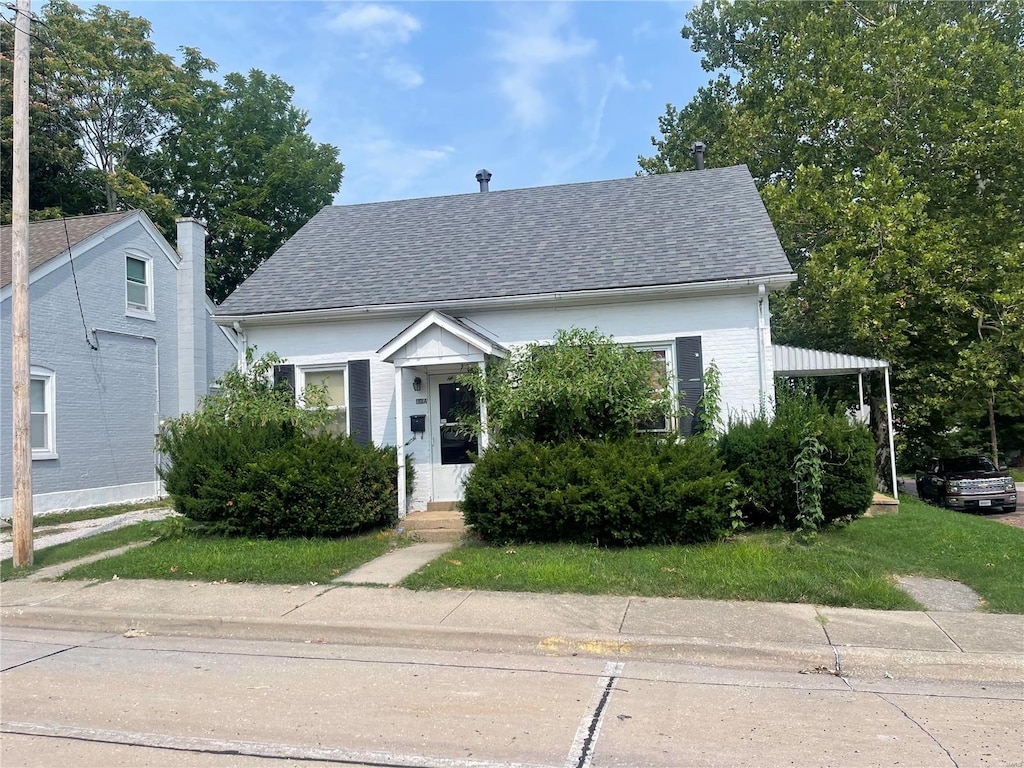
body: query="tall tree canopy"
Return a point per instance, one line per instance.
(117, 124)
(886, 139)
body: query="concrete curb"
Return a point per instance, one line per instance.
(845, 661)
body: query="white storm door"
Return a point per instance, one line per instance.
(450, 449)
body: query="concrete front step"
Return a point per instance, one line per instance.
(442, 506)
(434, 525)
(882, 505)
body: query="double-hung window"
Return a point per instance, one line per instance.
(138, 271)
(42, 420)
(333, 381)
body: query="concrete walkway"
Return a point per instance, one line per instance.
(849, 642)
(391, 568)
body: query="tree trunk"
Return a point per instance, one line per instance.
(883, 467)
(992, 429)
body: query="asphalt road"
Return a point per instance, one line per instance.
(88, 699)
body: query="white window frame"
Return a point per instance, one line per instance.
(134, 310)
(308, 373)
(49, 379)
(668, 347)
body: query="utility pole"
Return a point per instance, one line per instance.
(20, 358)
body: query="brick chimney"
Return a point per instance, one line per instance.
(193, 379)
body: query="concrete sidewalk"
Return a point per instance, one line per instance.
(852, 643)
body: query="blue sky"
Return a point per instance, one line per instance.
(418, 96)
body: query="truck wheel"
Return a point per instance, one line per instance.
(1008, 510)
(920, 489)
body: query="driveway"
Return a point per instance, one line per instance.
(1016, 519)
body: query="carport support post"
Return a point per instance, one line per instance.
(400, 440)
(892, 445)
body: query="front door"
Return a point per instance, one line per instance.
(450, 448)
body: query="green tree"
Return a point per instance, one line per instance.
(106, 85)
(583, 386)
(117, 124)
(242, 160)
(885, 139)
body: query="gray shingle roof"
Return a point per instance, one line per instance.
(48, 239)
(642, 231)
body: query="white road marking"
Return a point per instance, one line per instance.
(581, 754)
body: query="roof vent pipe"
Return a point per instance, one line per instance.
(483, 176)
(697, 153)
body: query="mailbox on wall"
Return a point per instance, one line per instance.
(418, 423)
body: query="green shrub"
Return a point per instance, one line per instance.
(627, 492)
(763, 454)
(261, 481)
(252, 462)
(584, 386)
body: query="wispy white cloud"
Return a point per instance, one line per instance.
(402, 74)
(385, 168)
(379, 25)
(536, 41)
(377, 32)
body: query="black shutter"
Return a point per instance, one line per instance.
(359, 401)
(284, 378)
(690, 374)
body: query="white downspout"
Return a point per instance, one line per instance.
(762, 363)
(400, 442)
(892, 445)
(485, 438)
(242, 344)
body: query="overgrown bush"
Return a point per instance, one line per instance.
(764, 455)
(584, 386)
(627, 492)
(252, 462)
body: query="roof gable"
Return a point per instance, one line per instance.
(49, 238)
(671, 229)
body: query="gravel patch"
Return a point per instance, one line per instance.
(48, 536)
(940, 594)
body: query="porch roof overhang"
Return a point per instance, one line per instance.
(482, 344)
(798, 361)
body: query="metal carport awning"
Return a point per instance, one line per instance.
(802, 362)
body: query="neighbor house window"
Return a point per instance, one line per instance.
(139, 284)
(333, 380)
(42, 420)
(660, 378)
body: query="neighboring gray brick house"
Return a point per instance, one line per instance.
(387, 302)
(121, 338)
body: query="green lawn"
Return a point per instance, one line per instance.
(210, 558)
(846, 566)
(851, 565)
(101, 542)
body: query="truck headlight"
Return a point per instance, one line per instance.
(1008, 481)
(953, 485)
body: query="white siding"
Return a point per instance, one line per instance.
(727, 325)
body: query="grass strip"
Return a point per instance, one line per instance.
(852, 565)
(72, 550)
(267, 561)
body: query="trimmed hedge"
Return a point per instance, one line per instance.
(627, 492)
(268, 481)
(763, 453)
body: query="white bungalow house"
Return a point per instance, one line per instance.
(388, 302)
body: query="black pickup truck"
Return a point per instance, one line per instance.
(967, 483)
